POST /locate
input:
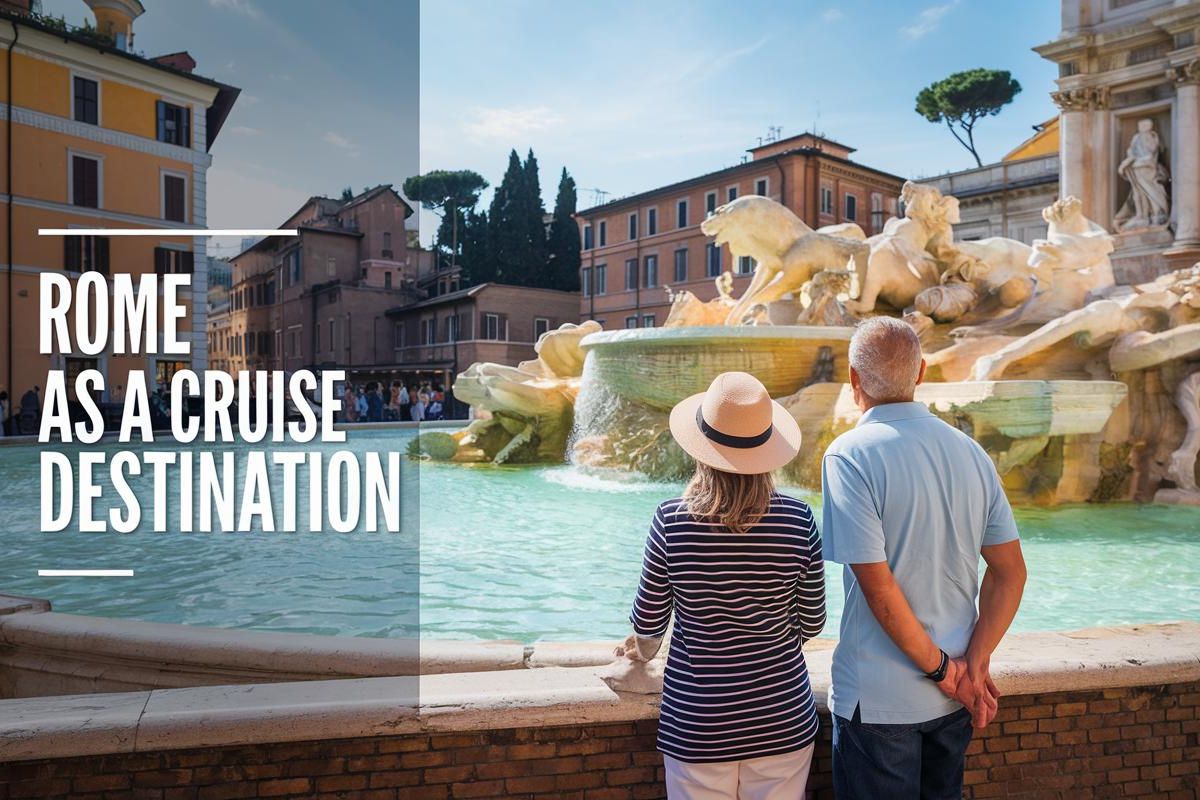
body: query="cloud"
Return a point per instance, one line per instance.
(245, 130)
(510, 123)
(340, 142)
(832, 14)
(928, 20)
(240, 6)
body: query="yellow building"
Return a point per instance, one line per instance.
(96, 136)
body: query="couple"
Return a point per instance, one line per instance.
(910, 504)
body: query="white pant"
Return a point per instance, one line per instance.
(781, 777)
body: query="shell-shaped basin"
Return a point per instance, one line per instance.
(660, 366)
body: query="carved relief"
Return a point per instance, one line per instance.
(1088, 98)
(1185, 73)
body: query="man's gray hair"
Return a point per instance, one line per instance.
(886, 354)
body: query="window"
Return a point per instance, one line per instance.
(428, 331)
(452, 328)
(710, 203)
(173, 262)
(876, 211)
(387, 279)
(651, 272)
(631, 322)
(762, 187)
(397, 334)
(826, 200)
(745, 265)
(491, 327)
(174, 197)
(87, 100)
(86, 254)
(601, 279)
(174, 124)
(540, 326)
(316, 338)
(85, 181)
(603, 233)
(712, 260)
(330, 266)
(585, 281)
(651, 221)
(633, 226)
(293, 263)
(681, 214)
(731, 194)
(387, 245)
(851, 207)
(399, 329)
(631, 275)
(681, 265)
(587, 237)
(647, 320)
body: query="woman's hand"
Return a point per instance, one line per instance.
(629, 649)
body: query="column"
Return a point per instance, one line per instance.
(1073, 146)
(1186, 167)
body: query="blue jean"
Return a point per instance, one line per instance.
(922, 760)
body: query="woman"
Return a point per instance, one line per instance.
(740, 566)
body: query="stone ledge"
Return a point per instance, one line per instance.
(82, 725)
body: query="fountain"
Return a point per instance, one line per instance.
(1078, 388)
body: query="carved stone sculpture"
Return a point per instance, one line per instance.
(1145, 325)
(527, 410)
(787, 252)
(1148, 203)
(1181, 469)
(902, 263)
(1070, 264)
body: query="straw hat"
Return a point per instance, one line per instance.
(736, 427)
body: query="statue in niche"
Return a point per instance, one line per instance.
(1147, 204)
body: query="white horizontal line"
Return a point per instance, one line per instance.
(85, 573)
(167, 232)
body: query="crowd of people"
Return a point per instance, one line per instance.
(378, 402)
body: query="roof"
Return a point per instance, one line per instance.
(216, 114)
(746, 166)
(358, 199)
(805, 135)
(1042, 143)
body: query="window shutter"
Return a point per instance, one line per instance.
(187, 262)
(162, 261)
(72, 253)
(101, 255)
(161, 115)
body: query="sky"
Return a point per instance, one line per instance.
(626, 95)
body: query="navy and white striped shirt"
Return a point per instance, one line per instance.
(736, 685)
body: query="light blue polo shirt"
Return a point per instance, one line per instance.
(906, 488)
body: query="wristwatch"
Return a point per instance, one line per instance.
(939, 674)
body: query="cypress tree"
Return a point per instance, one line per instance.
(533, 226)
(564, 242)
(505, 234)
(478, 266)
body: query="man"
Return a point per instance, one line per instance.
(910, 505)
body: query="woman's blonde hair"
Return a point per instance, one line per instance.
(735, 501)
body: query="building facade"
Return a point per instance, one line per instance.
(99, 137)
(1003, 199)
(1129, 85)
(637, 246)
(318, 300)
(436, 338)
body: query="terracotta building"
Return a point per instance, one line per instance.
(99, 137)
(436, 338)
(318, 299)
(634, 247)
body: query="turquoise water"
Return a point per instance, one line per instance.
(527, 553)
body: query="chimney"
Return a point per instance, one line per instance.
(181, 61)
(115, 18)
